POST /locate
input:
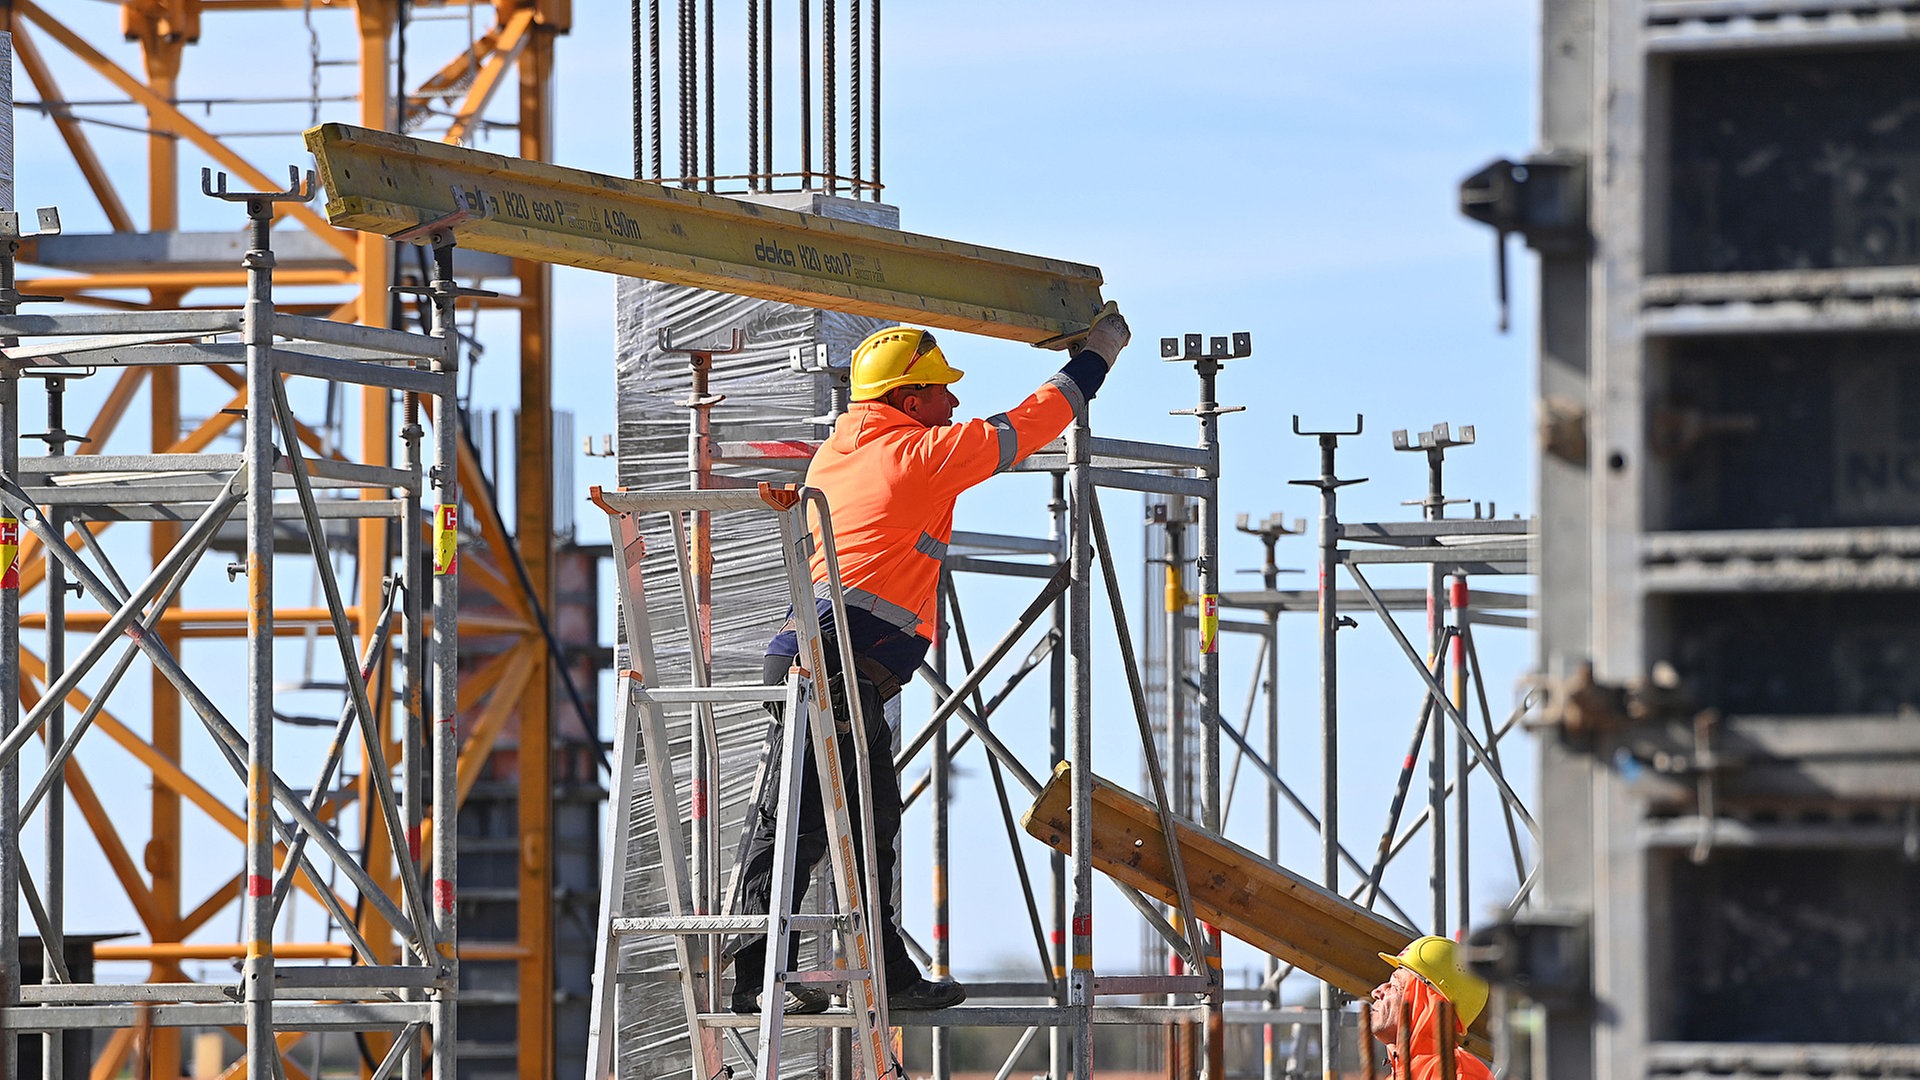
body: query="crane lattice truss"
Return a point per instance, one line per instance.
(496, 78)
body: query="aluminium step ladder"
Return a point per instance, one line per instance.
(641, 728)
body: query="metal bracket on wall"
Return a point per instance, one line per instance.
(1543, 198)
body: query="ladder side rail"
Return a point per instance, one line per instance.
(706, 780)
(773, 986)
(602, 1018)
(873, 909)
(658, 752)
(865, 995)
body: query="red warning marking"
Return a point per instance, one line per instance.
(783, 448)
(939, 931)
(413, 842)
(443, 893)
(259, 886)
(1083, 926)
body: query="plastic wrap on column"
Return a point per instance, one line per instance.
(6, 121)
(765, 400)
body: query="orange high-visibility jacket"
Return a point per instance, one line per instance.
(891, 483)
(1425, 1051)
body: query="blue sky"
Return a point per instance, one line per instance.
(1281, 167)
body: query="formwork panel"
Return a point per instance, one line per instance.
(1790, 432)
(1794, 946)
(1799, 654)
(1794, 161)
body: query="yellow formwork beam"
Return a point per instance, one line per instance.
(1261, 903)
(388, 184)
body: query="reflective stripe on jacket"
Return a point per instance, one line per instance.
(891, 483)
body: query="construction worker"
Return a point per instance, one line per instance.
(1428, 971)
(891, 470)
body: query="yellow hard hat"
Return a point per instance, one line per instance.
(898, 356)
(1437, 960)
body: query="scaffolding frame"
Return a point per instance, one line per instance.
(1078, 466)
(501, 77)
(415, 998)
(1195, 1003)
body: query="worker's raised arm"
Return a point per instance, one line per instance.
(960, 455)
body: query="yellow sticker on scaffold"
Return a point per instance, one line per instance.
(1210, 623)
(446, 539)
(9, 553)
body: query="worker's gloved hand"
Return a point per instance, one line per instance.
(1108, 334)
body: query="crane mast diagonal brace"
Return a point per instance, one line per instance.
(388, 184)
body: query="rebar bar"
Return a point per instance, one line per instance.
(829, 97)
(706, 89)
(688, 97)
(637, 74)
(805, 28)
(653, 87)
(753, 98)
(853, 96)
(874, 186)
(766, 84)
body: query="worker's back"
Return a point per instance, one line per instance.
(891, 482)
(876, 476)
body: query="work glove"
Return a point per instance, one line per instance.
(1108, 334)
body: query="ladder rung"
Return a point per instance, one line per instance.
(710, 695)
(835, 976)
(718, 924)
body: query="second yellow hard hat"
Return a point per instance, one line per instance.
(1438, 961)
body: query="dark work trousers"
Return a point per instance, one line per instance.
(749, 951)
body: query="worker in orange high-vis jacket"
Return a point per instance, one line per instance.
(1429, 972)
(891, 471)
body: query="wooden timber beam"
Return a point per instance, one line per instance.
(387, 184)
(1261, 903)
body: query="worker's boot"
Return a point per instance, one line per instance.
(801, 1000)
(927, 994)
